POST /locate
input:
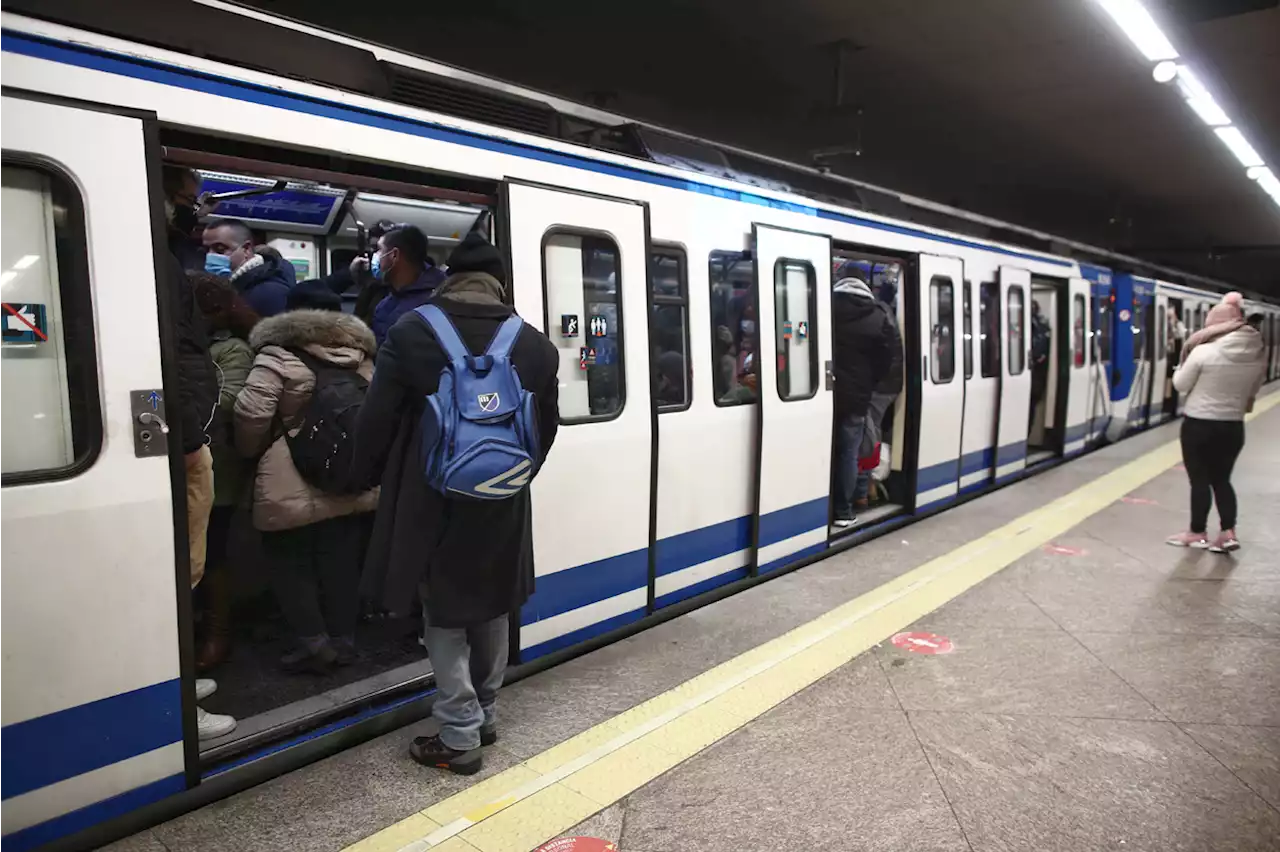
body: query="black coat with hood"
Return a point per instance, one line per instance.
(863, 339)
(197, 381)
(474, 557)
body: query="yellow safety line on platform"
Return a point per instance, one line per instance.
(534, 801)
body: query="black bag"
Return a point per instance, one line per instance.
(322, 448)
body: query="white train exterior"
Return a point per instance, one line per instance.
(636, 511)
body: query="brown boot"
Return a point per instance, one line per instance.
(216, 647)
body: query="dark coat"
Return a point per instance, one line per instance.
(891, 384)
(397, 303)
(197, 384)
(863, 341)
(265, 286)
(476, 557)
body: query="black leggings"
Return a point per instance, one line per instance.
(1209, 452)
(316, 576)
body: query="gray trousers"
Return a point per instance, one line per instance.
(469, 664)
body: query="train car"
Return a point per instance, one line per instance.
(692, 314)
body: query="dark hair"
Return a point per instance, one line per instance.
(269, 251)
(243, 233)
(381, 227)
(173, 177)
(410, 241)
(221, 305)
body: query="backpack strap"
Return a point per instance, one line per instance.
(505, 338)
(445, 331)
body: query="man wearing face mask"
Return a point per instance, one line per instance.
(402, 263)
(181, 189)
(261, 280)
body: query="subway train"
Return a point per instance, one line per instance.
(689, 465)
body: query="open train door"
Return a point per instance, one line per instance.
(579, 272)
(1161, 384)
(1081, 375)
(793, 292)
(1015, 389)
(941, 393)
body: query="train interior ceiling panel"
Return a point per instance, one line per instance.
(694, 307)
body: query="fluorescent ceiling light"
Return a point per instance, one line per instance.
(1164, 72)
(1200, 100)
(1259, 173)
(1234, 139)
(1141, 28)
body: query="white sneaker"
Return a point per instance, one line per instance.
(845, 522)
(205, 686)
(213, 725)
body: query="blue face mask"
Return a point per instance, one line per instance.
(217, 264)
(375, 267)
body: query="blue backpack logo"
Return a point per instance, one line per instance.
(479, 429)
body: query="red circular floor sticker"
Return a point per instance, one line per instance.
(1139, 501)
(1064, 550)
(577, 844)
(923, 643)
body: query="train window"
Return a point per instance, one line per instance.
(1139, 329)
(734, 336)
(669, 329)
(989, 329)
(1162, 329)
(1104, 331)
(1077, 330)
(968, 332)
(52, 424)
(1017, 334)
(580, 286)
(795, 299)
(942, 307)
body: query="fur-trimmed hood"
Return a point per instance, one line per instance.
(312, 328)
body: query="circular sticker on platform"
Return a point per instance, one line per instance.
(1064, 550)
(1124, 315)
(923, 643)
(577, 844)
(1139, 501)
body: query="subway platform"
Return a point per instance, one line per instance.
(1033, 670)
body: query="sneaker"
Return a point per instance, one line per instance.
(1188, 539)
(488, 735)
(213, 725)
(315, 656)
(842, 523)
(344, 649)
(430, 751)
(1225, 542)
(205, 686)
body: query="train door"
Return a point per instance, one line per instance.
(981, 343)
(793, 292)
(1079, 369)
(1161, 381)
(1140, 391)
(579, 272)
(941, 394)
(1048, 360)
(97, 716)
(1101, 376)
(1015, 389)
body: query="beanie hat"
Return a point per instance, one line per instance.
(314, 294)
(1230, 309)
(476, 254)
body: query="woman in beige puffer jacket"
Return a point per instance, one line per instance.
(312, 538)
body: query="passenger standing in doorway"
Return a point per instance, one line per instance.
(312, 537)
(230, 322)
(402, 263)
(471, 560)
(863, 341)
(1041, 340)
(883, 396)
(1221, 373)
(261, 280)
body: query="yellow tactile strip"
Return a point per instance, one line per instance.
(548, 794)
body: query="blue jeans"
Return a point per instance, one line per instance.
(469, 663)
(850, 485)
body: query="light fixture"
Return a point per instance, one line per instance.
(1234, 139)
(1140, 27)
(1164, 72)
(1200, 100)
(1258, 172)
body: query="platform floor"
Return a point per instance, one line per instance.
(1104, 691)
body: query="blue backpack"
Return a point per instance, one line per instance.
(479, 429)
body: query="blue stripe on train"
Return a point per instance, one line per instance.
(90, 815)
(170, 75)
(80, 739)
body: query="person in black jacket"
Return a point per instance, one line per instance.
(863, 341)
(182, 212)
(471, 560)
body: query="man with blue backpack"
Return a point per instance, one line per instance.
(458, 419)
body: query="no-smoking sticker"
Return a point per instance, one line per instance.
(1139, 501)
(1064, 550)
(923, 643)
(577, 844)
